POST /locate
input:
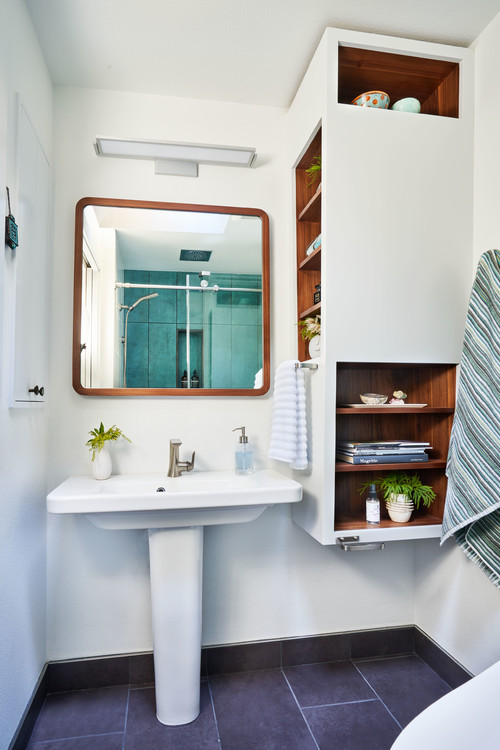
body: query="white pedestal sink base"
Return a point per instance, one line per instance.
(175, 518)
(176, 557)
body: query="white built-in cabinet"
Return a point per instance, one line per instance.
(30, 330)
(394, 210)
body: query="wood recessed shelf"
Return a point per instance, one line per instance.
(308, 226)
(358, 522)
(394, 410)
(434, 82)
(311, 311)
(312, 262)
(432, 384)
(343, 466)
(312, 211)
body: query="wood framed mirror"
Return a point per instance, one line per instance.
(170, 299)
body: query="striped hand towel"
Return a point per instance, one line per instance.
(288, 428)
(472, 510)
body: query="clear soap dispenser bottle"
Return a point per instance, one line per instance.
(243, 456)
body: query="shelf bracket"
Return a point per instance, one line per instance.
(352, 543)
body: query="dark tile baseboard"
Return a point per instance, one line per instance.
(442, 663)
(138, 669)
(27, 724)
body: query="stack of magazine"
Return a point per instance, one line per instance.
(382, 452)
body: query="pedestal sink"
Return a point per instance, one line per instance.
(174, 511)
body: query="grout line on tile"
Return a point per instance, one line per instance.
(383, 658)
(301, 711)
(213, 711)
(378, 696)
(77, 737)
(126, 719)
(342, 703)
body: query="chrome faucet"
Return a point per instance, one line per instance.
(176, 467)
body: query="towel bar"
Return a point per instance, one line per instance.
(352, 543)
(306, 366)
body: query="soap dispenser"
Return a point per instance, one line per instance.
(243, 456)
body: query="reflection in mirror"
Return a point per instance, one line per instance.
(170, 299)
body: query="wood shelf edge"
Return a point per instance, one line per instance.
(312, 261)
(343, 467)
(312, 209)
(374, 410)
(314, 310)
(357, 523)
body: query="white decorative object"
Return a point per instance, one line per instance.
(315, 346)
(101, 465)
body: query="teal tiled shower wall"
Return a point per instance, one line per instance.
(225, 331)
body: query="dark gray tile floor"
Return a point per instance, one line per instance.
(341, 705)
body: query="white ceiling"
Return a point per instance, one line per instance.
(254, 52)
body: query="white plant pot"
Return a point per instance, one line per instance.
(399, 508)
(101, 466)
(315, 346)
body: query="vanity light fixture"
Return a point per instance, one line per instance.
(175, 158)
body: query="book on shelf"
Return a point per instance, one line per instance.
(382, 445)
(402, 458)
(381, 452)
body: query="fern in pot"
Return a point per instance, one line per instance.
(402, 494)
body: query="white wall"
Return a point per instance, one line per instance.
(455, 603)
(266, 579)
(23, 432)
(262, 580)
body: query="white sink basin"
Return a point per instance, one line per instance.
(201, 498)
(175, 519)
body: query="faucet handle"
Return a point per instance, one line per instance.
(190, 464)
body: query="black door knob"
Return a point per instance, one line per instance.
(37, 391)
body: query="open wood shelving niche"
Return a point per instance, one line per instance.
(308, 216)
(430, 384)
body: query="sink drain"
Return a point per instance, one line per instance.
(161, 489)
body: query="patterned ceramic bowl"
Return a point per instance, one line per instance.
(372, 99)
(373, 398)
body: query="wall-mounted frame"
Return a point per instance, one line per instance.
(136, 296)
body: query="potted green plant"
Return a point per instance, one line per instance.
(314, 171)
(402, 492)
(97, 444)
(310, 330)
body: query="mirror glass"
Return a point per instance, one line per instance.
(170, 299)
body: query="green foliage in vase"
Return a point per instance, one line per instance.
(401, 483)
(314, 171)
(310, 327)
(100, 436)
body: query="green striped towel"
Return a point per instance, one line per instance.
(472, 509)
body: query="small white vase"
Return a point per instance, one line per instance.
(315, 346)
(101, 465)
